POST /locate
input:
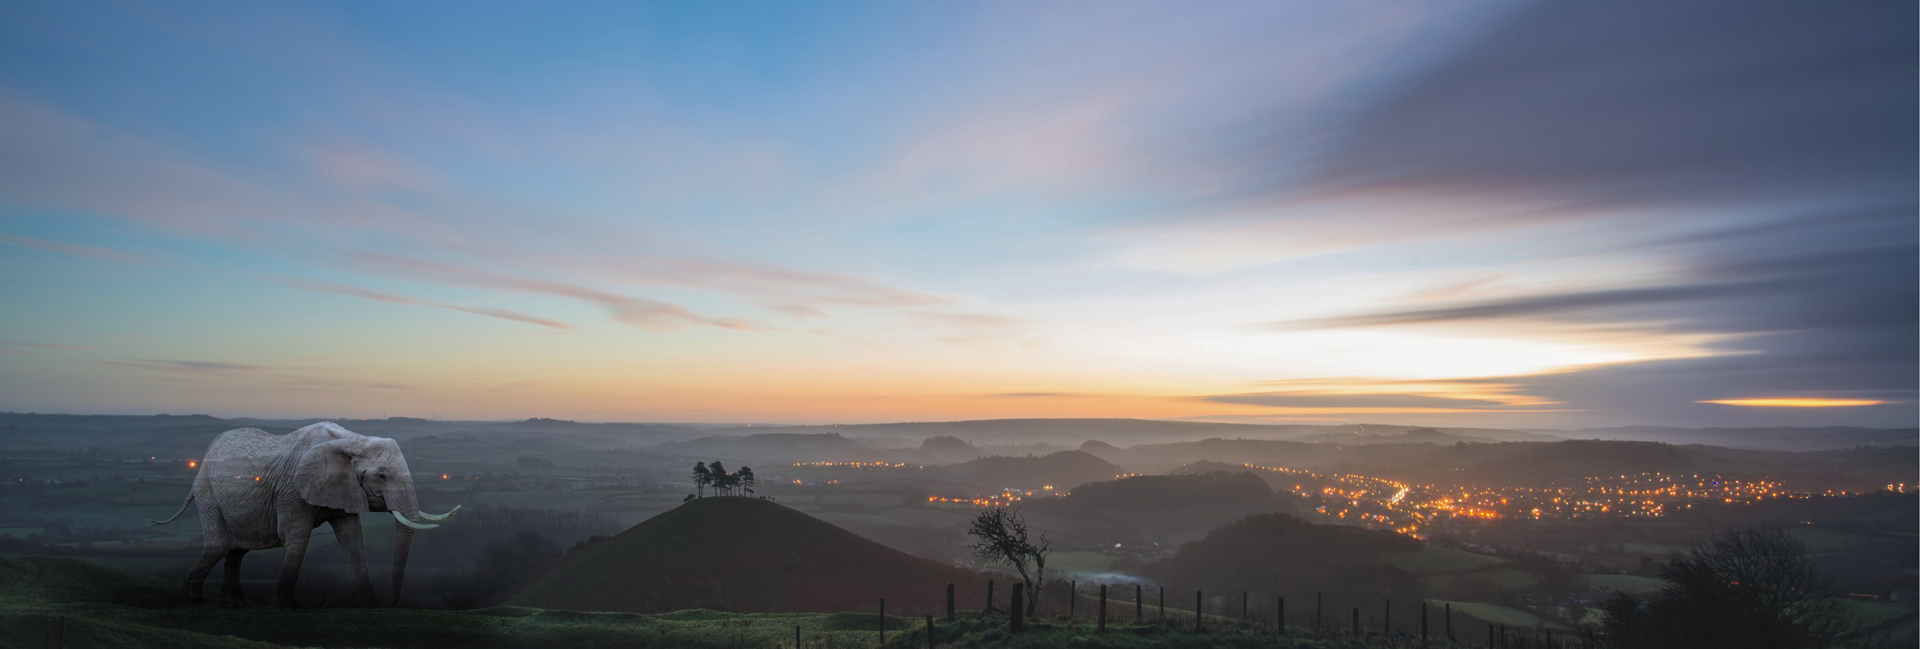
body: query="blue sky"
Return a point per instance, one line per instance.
(1482, 213)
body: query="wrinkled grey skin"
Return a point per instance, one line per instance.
(259, 491)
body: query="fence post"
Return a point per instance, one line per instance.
(1163, 603)
(949, 602)
(796, 636)
(883, 621)
(1356, 620)
(1503, 635)
(1103, 608)
(1489, 636)
(929, 632)
(1199, 610)
(1243, 605)
(1017, 614)
(1449, 621)
(1386, 619)
(1280, 617)
(1138, 610)
(1317, 612)
(1423, 624)
(1073, 596)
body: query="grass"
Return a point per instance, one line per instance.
(1496, 614)
(1630, 584)
(104, 607)
(1432, 560)
(1502, 578)
(1078, 562)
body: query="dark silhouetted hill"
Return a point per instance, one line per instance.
(1775, 439)
(1278, 554)
(1163, 509)
(745, 555)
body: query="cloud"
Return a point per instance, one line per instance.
(1283, 400)
(77, 250)
(653, 315)
(354, 291)
(186, 367)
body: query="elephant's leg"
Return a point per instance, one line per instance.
(346, 530)
(197, 576)
(230, 592)
(295, 530)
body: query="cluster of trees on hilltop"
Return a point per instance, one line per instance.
(713, 474)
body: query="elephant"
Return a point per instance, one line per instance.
(257, 490)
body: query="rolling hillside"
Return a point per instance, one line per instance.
(745, 555)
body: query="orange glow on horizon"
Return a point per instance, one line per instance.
(1796, 402)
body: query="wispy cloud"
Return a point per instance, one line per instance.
(653, 315)
(77, 250)
(186, 366)
(377, 296)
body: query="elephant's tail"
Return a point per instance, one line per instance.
(183, 510)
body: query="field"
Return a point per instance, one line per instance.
(1435, 560)
(1624, 583)
(1495, 614)
(102, 607)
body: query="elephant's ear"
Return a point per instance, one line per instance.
(326, 476)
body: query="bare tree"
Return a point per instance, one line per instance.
(1001, 537)
(1753, 589)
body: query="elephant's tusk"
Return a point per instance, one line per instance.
(403, 521)
(442, 517)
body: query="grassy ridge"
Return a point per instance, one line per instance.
(104, 607)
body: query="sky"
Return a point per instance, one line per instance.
(1475, 213)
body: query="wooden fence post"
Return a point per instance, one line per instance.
(929, 632)
(1243, 605)
(1017, 614)
(1103, 609)
(883, 621)
(1163, 603)
(1138, 609)
(1386, 619)
(796, 636)
(1449, 621)
(989, 595)
(1317, 612)
(1280, 616)
(1356, 620)
(1199, 610)
(1423, 624)
(949, 602)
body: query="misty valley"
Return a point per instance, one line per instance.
(1371, 535)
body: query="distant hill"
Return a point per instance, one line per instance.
(1284, 555)
(1063, 470)
(745, 555)
(1054, 431)
(778, 447)
(1165, 509)
(1777, 439)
